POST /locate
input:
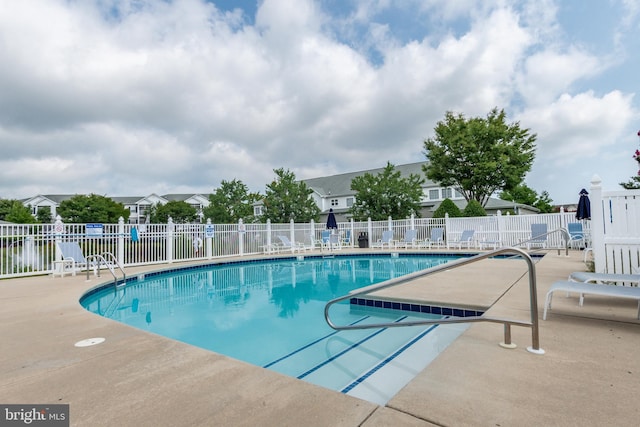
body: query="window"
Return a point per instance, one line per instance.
(334, 202)
(257, 210)
(446, 193)
(434, 194)
(350, 201)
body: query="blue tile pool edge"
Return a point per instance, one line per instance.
(415, 308)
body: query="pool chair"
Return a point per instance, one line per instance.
(466, 238)
(325, 238)
(538, 236)
(386, 239)
(576, 240)
(436, 238)
(409, 240)
(72, 260)
(346, 239)
(632, 279)
(288, 245)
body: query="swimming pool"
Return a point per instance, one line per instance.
(270, 313)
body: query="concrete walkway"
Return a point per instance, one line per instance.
(589, 375)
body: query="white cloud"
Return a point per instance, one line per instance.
(177, 96)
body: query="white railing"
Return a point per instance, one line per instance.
(31, 249)
(615, 218)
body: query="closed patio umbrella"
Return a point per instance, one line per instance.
(331, 220)
(584, 206)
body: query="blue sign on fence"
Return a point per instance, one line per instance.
(94, 230)
(208, 231)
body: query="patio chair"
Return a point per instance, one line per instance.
(466, 238)
(72, 260)
(325, 238)
(289, 245)
(409, 240)
(538, 236)
(632, 279)
(436, 238)
(346, 240)
(386, 239)
(576, 233)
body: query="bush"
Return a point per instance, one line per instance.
(474, 208)
(447, 207)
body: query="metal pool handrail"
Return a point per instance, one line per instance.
(100, 258)
(533, 296)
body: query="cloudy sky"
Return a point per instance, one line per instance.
(132, 97)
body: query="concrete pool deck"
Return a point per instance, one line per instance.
(589, 375)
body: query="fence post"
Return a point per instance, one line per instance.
(121, 240)
(597, 225)
(446, 229)
(353, 231)
(170, 240)
(268, 247)
(241, 233)
(413, 222)
(208, 239)
(292, 234)
(58, 229)
(500, 226)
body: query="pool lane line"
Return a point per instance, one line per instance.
(384, 362)
(311, 343)
(346, 350)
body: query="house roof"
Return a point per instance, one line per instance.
(340, 185)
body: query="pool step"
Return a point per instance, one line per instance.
(369, 363)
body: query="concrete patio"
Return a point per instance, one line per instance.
(589, 375)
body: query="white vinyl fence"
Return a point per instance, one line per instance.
(30, 249)
(615, 218)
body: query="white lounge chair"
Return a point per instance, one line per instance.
(409, 240)
(604, 278)
(72, 259)
(576, 234)
(436, 238)
(289, 245)
(583, 288)
(538, 236)
(466, 238)
(387, 239)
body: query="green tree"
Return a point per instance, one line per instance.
(231, 202)
(14, 211)
(634, 182)
(44, 215)
(527, 196)
(286, 199)
(93, 208)
(479, 155)
(180, 212)
(386, 194)
(473, 208)
(447, 207)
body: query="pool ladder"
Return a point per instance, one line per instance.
(110, 263)
(533, 298)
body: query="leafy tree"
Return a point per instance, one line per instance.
(286, 199)
(527, 196)
(180, 212)
(473, 208)
(479, 156)
(634, 182)
(12, 210)
(447, 207)
(44, 215)
(386, 195)
(93, 208)
(231, 202)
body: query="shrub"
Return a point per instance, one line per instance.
(447, 207)
(474, 208)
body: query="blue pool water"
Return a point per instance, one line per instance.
(270, 313)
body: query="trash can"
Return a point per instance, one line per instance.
(363, 239)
